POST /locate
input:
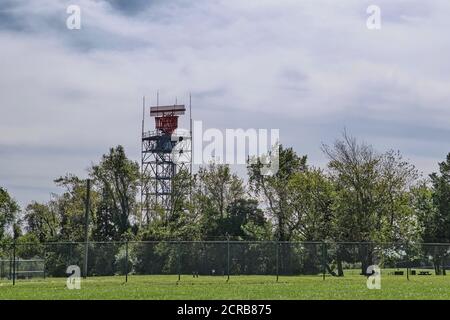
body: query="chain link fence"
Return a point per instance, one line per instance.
(220, 258)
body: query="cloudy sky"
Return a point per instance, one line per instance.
(308, 68)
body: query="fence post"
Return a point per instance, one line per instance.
(324, 259)
(179, 260)
(45, 259)
(228, 258)
(10, 264)
(86, 254)
(126, 261)
(407, 261)
(17, 265)
(86, 225)
(277, 247)
(14, 263)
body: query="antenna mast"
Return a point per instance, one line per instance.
(142, 159)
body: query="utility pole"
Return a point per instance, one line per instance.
(192, 151)
(86, 225)
(143, 184)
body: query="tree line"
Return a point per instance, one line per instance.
(361, 196)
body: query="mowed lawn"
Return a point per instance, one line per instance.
(239, 287)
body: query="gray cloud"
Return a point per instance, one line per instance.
(309, 68)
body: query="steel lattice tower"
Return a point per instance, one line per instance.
(165, 151)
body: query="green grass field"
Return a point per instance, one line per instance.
(239, 287)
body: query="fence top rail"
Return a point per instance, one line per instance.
(22, 260)
(227, 241)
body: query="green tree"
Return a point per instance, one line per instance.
(438, 228)
(274, 191)
(70, 207)
(104, 226)
(42, 221)
(441, 200)
(246, 221)
(372, 202)
(220, 186)
(215, 189)
(425, 210)
(117, 179)
(397, 219)
(181, 190)
(310, 194)
(9, 213)
(182, 221)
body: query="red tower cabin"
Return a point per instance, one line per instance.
(166, 117)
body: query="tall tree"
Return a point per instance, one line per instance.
(372, 201)
(425, 211)
(396, 218)
(353, 168)
(42, 221)
(117, 178)
(441, 199)
(70, 207)
(274, 190)
(246, 221)
(9, 211)
(104, 226)
(181, 191)
(311, 198)
(438, 230)
(215, 189)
